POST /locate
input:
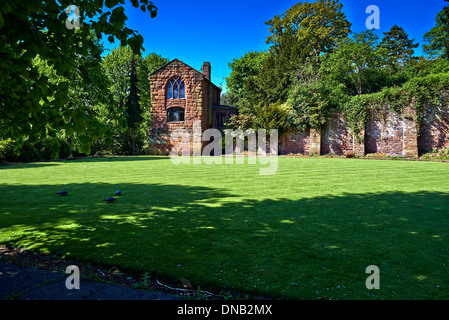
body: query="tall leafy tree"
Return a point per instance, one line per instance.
(133, 109)
(354, 68)
(357, 63)
(151, 62)
(145, 66)
(241, 82)
(312, 95)
(437, 39)
(86, 98)
(274, 80)
(117, 66)
(35, 27)
(305, 31)
(308, 29)
(399, 48)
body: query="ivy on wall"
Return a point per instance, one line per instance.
(417, 93)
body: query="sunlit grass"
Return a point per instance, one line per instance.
(308, 231)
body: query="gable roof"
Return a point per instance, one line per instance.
(179, 61)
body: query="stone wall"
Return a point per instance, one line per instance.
(434, 131)
(384, 134)
(390, 133)
(295, 143)
(336, 138)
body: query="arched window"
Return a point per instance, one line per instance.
(176, 89)
(175, 114)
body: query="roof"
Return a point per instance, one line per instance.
(177, 60)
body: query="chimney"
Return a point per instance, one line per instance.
(207, 70)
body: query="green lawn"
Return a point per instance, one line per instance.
(308, 231)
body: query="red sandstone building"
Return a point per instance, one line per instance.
(181, 95)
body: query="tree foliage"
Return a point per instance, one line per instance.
(86, 99)
(31, 104)
(117, 66)
(263, 116)
(353, 68)
(437, 39)
(241, 82)
(312, 96)
(133, 108)
(308, 29)
(303, 34)
(317, 67)
(357, 63)
(399, 48)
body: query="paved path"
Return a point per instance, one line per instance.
(29, 283)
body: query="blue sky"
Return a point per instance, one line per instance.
(218, 31)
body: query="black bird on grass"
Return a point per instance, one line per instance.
(110, 200)
(62, 193)
(118, 193)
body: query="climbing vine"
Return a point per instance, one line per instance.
(417, 93)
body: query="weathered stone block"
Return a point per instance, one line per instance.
(359, 144)
(315, 141)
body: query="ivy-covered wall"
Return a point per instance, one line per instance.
(398, 121)
(386, 131)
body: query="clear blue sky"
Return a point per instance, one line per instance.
(195, 31)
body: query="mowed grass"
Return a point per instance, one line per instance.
(308, 231)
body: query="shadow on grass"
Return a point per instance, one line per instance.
(117, 158)
(27, 165)
(48, 163)
(281, 247)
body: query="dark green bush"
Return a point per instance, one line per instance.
(28, 153)
(41, 150)
(7, 151)
(44, 149)
(64, 150)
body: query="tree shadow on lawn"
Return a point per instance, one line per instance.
(287, 248)
(47, 163)
(26, 165)
(117, 158)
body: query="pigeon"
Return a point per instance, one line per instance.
(118, 193)
(62, 193)
(110, 200)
